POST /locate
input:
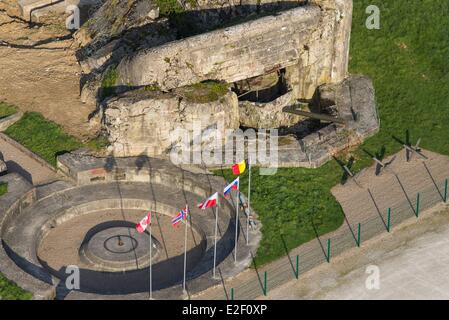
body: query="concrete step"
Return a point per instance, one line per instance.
(58, 9)
(28, 6)
(35, 10)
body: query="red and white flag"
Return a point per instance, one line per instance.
(210, 202)
(143, 224)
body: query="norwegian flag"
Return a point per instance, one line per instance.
(210, 202)
(182, 215)
(143, 224)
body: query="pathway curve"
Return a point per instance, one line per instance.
(20, 160)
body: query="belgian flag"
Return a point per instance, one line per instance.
(239, 168)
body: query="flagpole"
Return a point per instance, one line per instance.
(249, 198)
(215, 245)
(236, 224)
(185, 250)
(151, 268)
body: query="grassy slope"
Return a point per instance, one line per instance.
(6, 110)
(9, 291)
(43, 137)
(407, 59)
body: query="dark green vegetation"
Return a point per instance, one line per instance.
(408, 61)
(97, 144)
(108, 83)
(6, 110)
(169, 7)
(41, 136)
(3, 188)
(204, 92)
(9, 291)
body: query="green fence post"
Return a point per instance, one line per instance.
(297, 267)
(328, 250)
(358, 236)
(265, 284)
(417, 205)
(232, 293)
(389, 220)
(445, 191)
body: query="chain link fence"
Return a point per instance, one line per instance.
(348, 236)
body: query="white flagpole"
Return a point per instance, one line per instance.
(185, 249)
(215, 245)
(249, 198)
(151, 268)
(236, 224)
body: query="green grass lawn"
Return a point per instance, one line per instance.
(408, 61)
(6, 110)
(41, 136)
(3, 188)
(10, 291)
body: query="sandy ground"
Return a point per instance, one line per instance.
(39, 72)
(412, 262)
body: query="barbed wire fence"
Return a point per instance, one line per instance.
(350, 235)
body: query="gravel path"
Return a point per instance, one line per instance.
(19, 162)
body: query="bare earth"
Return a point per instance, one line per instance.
(39, 72)
(412, 262)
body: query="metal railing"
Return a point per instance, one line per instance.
(350, 235)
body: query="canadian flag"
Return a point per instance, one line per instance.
(143, 224)
(210, 202)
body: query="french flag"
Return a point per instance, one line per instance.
(143, 224)
(234, 185)
(210, 202)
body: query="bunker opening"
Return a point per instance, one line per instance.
(262, 89)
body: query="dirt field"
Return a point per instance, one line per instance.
(39, 71)
(412, 262)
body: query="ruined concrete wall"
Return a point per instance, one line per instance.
(236, 53)
(267, 115)
(144, 122)
(312, 41)
(326, 55)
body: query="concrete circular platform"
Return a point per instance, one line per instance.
(118, 247)
(91, 225)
